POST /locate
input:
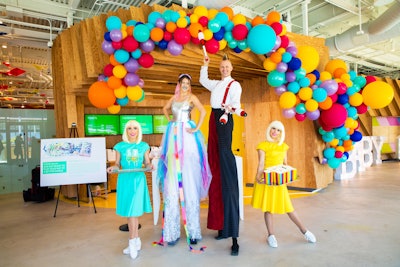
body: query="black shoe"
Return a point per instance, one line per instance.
(235, 250)
(193, 241)
(125, 227)
(219, 236)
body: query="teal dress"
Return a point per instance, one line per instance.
(133, 198)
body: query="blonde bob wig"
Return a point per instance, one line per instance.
(132, 124)
(279, 126)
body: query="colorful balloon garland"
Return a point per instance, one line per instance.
(334, 97)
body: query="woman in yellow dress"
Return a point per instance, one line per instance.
(274, 199)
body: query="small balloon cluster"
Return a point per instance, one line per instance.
(334, 97)
(129, 46)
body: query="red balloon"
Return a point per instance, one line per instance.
(167, 36)
(203, 21)
(182, 36)
(334, 98)
(116, 45)
(108, 70)
(284, 41)
(239, 32)
(342, 88)
(361, 109)
(195, 40)
(300, 117)
(146, 60)
(212, 46)
(100, 95)
(335, 116)
(277, 27)
(370, 79)
(130, 44)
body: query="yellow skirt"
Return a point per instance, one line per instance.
(272, 198)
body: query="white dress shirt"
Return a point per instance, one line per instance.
(217, 89)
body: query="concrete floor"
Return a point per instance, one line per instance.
(356, 222)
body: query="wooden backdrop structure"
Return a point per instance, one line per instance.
(78, 59)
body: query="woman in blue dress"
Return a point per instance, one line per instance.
(183, 167)
(133, 197)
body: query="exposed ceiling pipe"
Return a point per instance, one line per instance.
(349, 39)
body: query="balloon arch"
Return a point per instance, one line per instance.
(334, 97)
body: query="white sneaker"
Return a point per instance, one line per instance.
(132, 248)
(138, 244)
(272, 241)
(310, 237)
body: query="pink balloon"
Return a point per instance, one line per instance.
(212, 46)
(335, 116)
(146, 60)
(300, 117)
(239, 32)
(182, 36)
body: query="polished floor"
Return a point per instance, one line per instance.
(356, 222)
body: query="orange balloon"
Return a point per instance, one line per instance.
(337, 73)
(257, 20)
(170, 27)
(326, 104)
(156, 34)
(129, 30)
(100, 95)
(272, 17)
(113, 61)
(276, 57)
(228, 11)
(311, 77)
(194, 29)
(334, 64)
(114, 82)
(114, 109)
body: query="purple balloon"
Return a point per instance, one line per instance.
(131, 65)
(131, 79)
(174, 48)
(331, 86)
(277, 43)
(292, 50)
(160, 23)
(289, 113)
(141, 83)
(116, 35)
(101, 77)
(147, 46)
(290, 76)
(107, 47)
(280, 89)
(282, 67)
(313, 115)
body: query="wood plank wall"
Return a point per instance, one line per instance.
(78, 59)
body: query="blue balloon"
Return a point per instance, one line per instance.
(356, 136)
(237, 50)
(219, 35)
(276, 78)
(261, 39)
(107, 37)
(163, 44)
(121, 55)
(223, 18)
(294, 64)
(343, 99)
(113, 23)
(123, 101)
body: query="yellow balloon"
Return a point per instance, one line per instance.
(194, 18)
(114, 109)
(377, 94)
(119, 71)
(239, 19)
(309, 57)
(212, 13)
(356, 99)
(181, 23)
(120, 92)
(305, 93)
(287, 100)
(201, 11)
(208, 34)
(311, 105)
(134, 93)
(182, 13)
(222, 44)
(333, 64)
(269, 65)
(324, 76)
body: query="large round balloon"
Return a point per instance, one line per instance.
(377, 94)
(335, 116)
(100, 95)
(309, 57)
(261, 39)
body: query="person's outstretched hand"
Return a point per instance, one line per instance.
(206, 60)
